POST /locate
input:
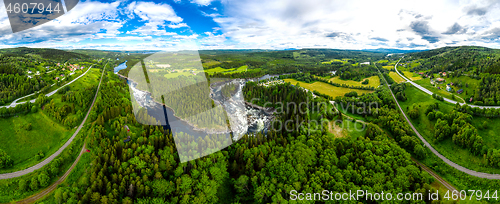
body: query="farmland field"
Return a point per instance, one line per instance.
(327, 89)
(374, 81)
(410, 75)
(336, 60)
(395, 76)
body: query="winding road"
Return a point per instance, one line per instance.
(427, 91)
(15, 103)
(434, 151)
(59, 151)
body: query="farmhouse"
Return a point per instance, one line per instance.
(460, 91)
(448, 88)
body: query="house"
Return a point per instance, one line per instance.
(444, 73)
(460, 91)
(365, 63)
(37, 72)
(57, 78)
(47, 67)
(440, 80)
(30, 76)
(470, 99)
(448, 88)
(29, 72)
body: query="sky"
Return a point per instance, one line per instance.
(264, 24)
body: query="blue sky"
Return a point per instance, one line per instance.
(264, 24)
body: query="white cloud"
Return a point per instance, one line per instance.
(179, 25)
(156, 16)
(357, 24)
(202, 2)
(91, 20)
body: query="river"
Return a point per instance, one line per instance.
(243, 118)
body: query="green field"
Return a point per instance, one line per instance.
(327, 89)
(210, 63)
(395, 76)
(336, 60)
(446, 147)
(176, 74)
(217, 69)
(374, 81)
(243, 68)
(22, 145)
(426, 83)
(410, 75)
(388, 67)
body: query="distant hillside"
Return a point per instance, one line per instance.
(45, 53)
(386, 50)
(463, 58)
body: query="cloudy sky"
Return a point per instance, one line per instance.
(264, 24)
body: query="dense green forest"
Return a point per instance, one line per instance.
(261, 168)
(131, 162)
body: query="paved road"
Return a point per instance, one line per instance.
(452, 164)
(425, 168)
(430, 92)
(51, 157)
(53, 187)
(15, 103)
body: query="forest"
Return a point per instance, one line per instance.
(130, 161)
(261, 168)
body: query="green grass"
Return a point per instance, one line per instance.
(353, 129)
(46, 134)
(336, 60)
(388, 67)
(327, 89)
(490, 134)
(210, 63)
(410, 75)
(177, 74)
(473, 85)
(446, 147)
(22, 145)
(217, 69)
(374, 81)
(243, 68)
(426, 83)
(395, 76)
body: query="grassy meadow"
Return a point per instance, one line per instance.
(395, 76)
(374, 81)
(22, 145)
(327, 89)
(446, 147)
(410, 75)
